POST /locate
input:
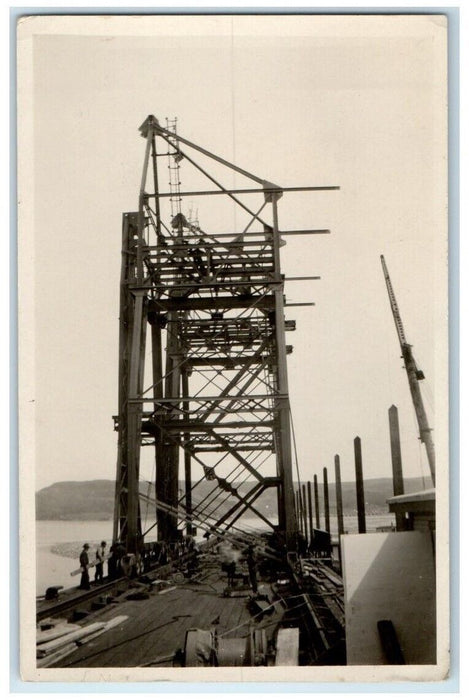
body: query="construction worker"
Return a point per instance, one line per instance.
(100, 557)
(84, 561)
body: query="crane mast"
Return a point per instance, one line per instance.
(414, 375)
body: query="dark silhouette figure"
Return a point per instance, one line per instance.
(100, 555)
(84, 561)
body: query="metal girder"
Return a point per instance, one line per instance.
(247, 448)
(242, 236)
(274, 191)
(240, 512)
(197, 425)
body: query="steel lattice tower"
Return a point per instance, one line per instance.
(218, 398)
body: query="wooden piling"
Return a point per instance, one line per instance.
(302, 508)
(310, 508)
(338, 496)
(298, 513)
(299, 507)
(316, 502)
(326, 500)
(305, 510)
(339, 506)
(397, 477)
(359, 485)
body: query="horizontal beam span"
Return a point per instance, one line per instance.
(250, 282)
(305, 232)
(259, 234)
(203, 399)
(208, 427)
(297, 279)
(302, 303)
(227, 362)
(248, 190)
(266, 447)
(187, 304)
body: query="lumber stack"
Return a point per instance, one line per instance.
(62, 638)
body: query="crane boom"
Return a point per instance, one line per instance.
(414, 375)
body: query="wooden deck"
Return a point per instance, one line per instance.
(156, 627)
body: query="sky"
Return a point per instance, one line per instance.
(357, 102)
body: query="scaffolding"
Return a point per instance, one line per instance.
(214, 305)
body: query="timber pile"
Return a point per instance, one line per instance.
(62, 638)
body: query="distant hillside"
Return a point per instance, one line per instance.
(94, 500)
(76, 500)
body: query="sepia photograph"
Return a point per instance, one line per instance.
(233, 347)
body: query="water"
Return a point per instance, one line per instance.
(52, 568)
(69, 536)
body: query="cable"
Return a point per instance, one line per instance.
(296, 457)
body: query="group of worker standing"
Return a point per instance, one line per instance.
(120, 563)
(115, 562)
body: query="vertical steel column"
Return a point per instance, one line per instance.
(135, 383)
(141, 203)
(168, 480)
(125, 322)
(161, 486)
(132, 334)
(157, 368)
(187, 458)
(397, 477)
(287, 520)
(156, 189)
(134, 423)
(359, 485)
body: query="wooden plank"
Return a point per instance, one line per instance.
(336, 580)
(57, 656)
(101, 650)
(110, 625)
(92, 563)
(48, 647)
(43, 636)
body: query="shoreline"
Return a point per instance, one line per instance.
(71, 549)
